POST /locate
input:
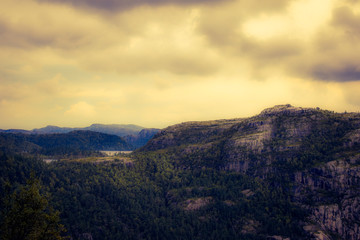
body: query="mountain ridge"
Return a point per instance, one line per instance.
(135, 135)
(115, 129)
(312, 154)
(74, 142)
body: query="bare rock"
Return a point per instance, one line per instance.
(250, 227)
(194, 204)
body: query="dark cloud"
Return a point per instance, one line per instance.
(221, 25)
(343, 74)
(29, 32)
(345, 19)
(271, 50)
(26, 39)
(118, 5)
(330, 55)
(335, 50)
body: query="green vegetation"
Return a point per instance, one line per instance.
(26, 215)
(147, 200)
(75, 143)
(324, 143)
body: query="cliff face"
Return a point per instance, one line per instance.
(319, 151)
(332, 193)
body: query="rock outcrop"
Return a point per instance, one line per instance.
(332, 193)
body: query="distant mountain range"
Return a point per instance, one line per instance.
(135, 136)
(115, 129)
(77, 142)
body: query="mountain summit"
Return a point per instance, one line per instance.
(281, 109)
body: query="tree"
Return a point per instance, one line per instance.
(28, 216)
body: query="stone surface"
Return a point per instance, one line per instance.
(196, 203)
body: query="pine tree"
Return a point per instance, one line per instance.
(28, 216)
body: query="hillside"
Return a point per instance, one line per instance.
(62, 143)
(17, 143)
(315, 152)
(115, 129)
(142, 137)
(86, 140)
(135, 135)
(255, 144)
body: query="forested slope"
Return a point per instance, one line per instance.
(75, 142)
(152, 200)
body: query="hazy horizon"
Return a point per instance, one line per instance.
(52, 125)
(155, 63)
(84, 126)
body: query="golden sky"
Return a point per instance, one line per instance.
(159, 62)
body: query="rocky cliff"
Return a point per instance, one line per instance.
(317, 151)
(332, 193)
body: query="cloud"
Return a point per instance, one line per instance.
(222, 25)
(52, 86)
(81, 109)
(262, 37)
(351, 93)
(345, 18)
(33, 25)
(162, 39)
(141, 40)
(160, 62)
(310, 39)
(121, 5)
(342, 72)
(333, 54)
(14, 92)
(284, 36)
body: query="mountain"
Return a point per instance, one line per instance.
(115, 129)
(51, 129)
(84, 140)
(17, 142)
(279, 132)
(136, 136)
(15, 131)
(62, 143)
(142, 137)
(312, 155)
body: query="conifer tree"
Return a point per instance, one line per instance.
(29, 217)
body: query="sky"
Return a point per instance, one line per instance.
(155, 63)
